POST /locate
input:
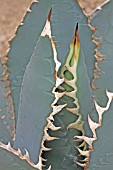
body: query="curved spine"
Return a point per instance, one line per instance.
(99, 57)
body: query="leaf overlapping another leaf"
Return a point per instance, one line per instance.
(25, 99)
(33, 79)
(105, 81)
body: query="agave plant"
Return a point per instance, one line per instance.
(56, 84)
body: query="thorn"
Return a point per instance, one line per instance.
(11, 118)
(8, 94)
(85, 160)
(11, 112)
(59, 95)
(81, 164)
(19, 152)
(29, 10)
(97, 67)
(59, 81)
(8, 146)
(93, 86)
(58, 108)
(35, 1)
(109, 94)
(93, 127)
(88, 140)
(51, 126)
(84, 153)
(97, 43)
(43, 165)
(77, 125)
(96, 38)
(99, 59)
(82, 144)
(49, 168)
(49, 138)
(7, 85)
(45, 160)
(99, 54)
(27, 155)
(73, 110)
(45, 149)
(22, 23)
(4, 72)
(5, 78)
(5, 59)
(2, 117)
(96, 76)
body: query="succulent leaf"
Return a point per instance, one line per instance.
(35, 93)
(55, 89)
(101, 155)
(25, 99)
(21, 48)
(69, 127)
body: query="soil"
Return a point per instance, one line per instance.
(12, 12)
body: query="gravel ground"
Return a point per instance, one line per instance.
(12, 11)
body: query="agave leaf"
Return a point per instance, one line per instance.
(36, 99)
(102, 154)
(33, 80)
(38, 80)
(67, 14)
(64, 154)
(22, 47)
(63, 149)
(104, 31)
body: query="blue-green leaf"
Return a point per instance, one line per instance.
(23, 45)
(101, 158)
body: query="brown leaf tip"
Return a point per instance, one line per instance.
(49, 15)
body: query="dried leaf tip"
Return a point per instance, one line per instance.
(76, 31)
(47, 28)
(49, 15)
(77, 45)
